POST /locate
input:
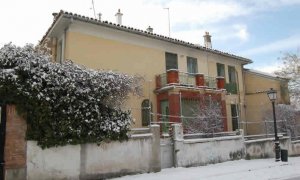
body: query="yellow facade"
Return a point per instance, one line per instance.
(99, 53)
(102, 47)
(257, 101)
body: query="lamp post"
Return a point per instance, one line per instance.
(272, 94)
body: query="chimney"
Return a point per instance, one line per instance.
(150, 29)
(54, 15)
(99, 16)
(207, 40)
(119, 17)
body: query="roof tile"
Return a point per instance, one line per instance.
(140, 32)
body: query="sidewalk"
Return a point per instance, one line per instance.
(261, 169)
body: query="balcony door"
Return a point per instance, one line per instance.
(232, 79)
(165, 116)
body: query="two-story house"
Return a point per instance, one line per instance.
(176, 73)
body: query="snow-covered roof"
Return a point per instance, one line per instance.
(264, 74)
(138, 32)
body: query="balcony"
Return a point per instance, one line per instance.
(174, 77)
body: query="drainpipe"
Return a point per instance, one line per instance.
(244, 85)
(2, 140)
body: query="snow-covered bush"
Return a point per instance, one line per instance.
(285, 120)
(64, 103)
(203, 115)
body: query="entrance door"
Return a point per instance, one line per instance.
(2, 139)
(165, 116)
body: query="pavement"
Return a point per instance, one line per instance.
(257, 169)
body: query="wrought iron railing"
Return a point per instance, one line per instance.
(210, 82)
(184, 79)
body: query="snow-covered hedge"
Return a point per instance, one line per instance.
(64, 103)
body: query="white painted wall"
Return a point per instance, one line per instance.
(166, 151)
(195, 152)
(131, 156)
(264, 148)
(53, 163)
(294, 148)
(214, 150)
(140, 154)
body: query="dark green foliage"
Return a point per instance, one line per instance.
(64, 103)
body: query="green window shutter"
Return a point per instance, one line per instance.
(171, 61)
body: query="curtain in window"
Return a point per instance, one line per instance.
(192, 66)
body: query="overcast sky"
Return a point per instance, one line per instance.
(261, 30)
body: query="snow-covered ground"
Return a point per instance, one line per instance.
(260, 169)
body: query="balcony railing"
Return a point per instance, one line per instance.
(174, 77)
(187, 79)
(210, 82)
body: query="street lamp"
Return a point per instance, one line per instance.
(272, 94)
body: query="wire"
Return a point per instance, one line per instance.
(185, 117)
(94, 9)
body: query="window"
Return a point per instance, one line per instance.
(171, 61)
(189, 107)
(221, 69)
(192, 66)
(231, 86)
(146, 109)
(231, 74)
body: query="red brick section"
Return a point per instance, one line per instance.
(172, 76)
(199, 79)
(220, 82)
(174, 104)
(15, 143)
(174, 107)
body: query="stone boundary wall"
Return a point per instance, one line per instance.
(140, 154)
(144, 152)
(196, 152)
(264, 148)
